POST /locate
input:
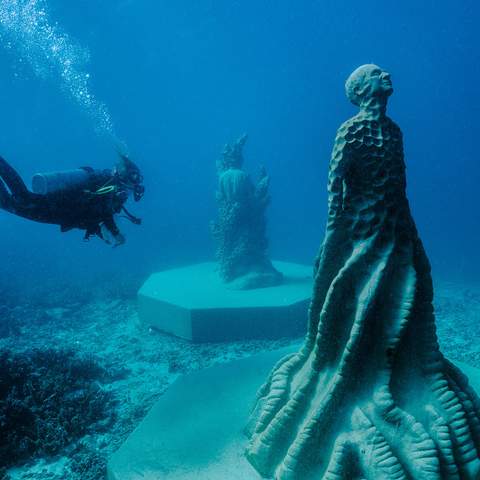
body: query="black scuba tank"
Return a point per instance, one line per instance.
(44, 183)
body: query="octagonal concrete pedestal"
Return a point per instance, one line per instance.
(193, 303)
(195, 431)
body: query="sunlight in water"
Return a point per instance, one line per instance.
(27, 29)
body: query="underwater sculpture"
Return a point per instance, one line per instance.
(369, 395)
(240, 230)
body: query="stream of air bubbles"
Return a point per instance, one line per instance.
(27, 29)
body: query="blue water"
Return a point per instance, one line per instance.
(174, 81)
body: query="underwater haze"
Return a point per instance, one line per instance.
(177, 80)
(170, 83)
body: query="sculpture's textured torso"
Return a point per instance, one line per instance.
(369, 395)
(234, 185)
(367, 176)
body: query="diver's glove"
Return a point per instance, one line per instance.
(115, 239)
(119, 240)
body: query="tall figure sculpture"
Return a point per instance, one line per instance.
(369, 395)
(240, 230)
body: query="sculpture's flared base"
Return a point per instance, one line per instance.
(195, 431)
(193, 302)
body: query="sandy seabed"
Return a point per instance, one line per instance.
(146, 362)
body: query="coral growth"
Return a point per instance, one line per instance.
(88, 465)
(369, 395)
(48, 399)
(3, 474)
(240, 230)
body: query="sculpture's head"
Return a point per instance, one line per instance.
(366, 82)
(232, 155)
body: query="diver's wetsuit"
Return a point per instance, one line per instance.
(78, 207)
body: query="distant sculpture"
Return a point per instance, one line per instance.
(240, 230)
(369, 395)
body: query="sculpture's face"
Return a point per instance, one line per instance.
(379, 82)
(366, 82)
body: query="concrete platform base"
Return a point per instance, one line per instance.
(195, 431)
(193, 303)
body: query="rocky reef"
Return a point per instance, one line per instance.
(369, 395)
(129, 366)
(240, 229)
(48, 399)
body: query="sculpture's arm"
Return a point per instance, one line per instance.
(337, 183)
(261, 188)
(338, 174)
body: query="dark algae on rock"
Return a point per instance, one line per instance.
(48, 399)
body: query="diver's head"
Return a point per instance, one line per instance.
(129, 176)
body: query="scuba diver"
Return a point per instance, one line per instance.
(83, 198)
